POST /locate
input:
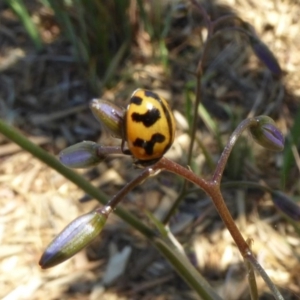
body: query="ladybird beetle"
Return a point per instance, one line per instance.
(149, 127)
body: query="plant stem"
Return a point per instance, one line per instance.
(212, 189)
(199, 72)
(226, 18)
(146, 173)
(251, 276)
(77, 179)
(228, 148)
(247, 184)
(184, 267)
(20, 9)
(175, 205)
(264, 275)
(241, 184)
(195, 116)
(205, 16)
(190, 151)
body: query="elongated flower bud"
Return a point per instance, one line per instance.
(266, 134)
(286, 205)
(82, 155)
(77, 235)
(262, 51)
(110, 115)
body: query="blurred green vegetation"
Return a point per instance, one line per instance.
(20, 9)
(102, 32)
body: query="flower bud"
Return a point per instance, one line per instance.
(77, 235)
(266, 134)
(110, 115)
(82, 155)
(262, 51)
(286, 205)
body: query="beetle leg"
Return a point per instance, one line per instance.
(125, 151)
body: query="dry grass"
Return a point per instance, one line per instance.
(46, 96)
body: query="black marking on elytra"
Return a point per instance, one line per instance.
(149, 145)
(152, 95)
(149, 118)
(165, 109)
(168, 116)
(136, 100)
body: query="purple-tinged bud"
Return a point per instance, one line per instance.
(77, 235)
(286, 205)
(110, 115)
(266, 134)
(82, 155)
(262, 51)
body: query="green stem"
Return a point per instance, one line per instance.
(175, 205)
(187, 271)
(189, 156)
(195, 116)
(195, 119)
(19, 7)
(77, 179)
(196, 105)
